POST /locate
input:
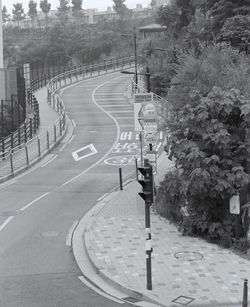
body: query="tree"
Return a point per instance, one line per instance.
(236, 30)
(5, 14)
(224, 9)
(120, 8)
(18, 12)
(210, 149)
(45, 7)
(77, 8)
(32, 11)
(63, 10)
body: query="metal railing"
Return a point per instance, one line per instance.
(27, 153)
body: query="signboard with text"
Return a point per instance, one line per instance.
(140, 100)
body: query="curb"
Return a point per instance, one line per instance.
(85, 225)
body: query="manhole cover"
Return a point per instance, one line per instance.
(10, 213)
(188, 256)
(183, 300)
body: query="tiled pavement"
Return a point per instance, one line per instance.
(186, 271)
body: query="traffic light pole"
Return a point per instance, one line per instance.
(148, 195)
(148, 246)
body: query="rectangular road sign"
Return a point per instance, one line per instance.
(139, 100)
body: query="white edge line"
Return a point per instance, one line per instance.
(103, 196)
(6, 222)
(74, 123)
(110, 297)
(50, 160)
(115, 142)
(70, 233)
(34, 201)
(71, 139)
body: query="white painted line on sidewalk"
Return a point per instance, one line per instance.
(49, 161)
(6, 222)
(97, 290)
(70, 233)
(34, 201)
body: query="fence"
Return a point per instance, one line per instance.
(22, 156)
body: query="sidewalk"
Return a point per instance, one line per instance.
(186, 271)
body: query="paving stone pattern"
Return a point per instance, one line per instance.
(185, 270)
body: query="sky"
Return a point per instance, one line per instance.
(87, 4)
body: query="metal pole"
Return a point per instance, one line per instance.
(147, 74)
(148, 246)
(136, 72)
(140, 136)
(120, 177)
(245, 289)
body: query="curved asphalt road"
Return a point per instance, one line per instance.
(38, 209)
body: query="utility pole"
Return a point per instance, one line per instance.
(2, 72)
(136, 71)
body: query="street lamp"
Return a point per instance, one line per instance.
(135, 55)
(147, 74)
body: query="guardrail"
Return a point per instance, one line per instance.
(22, 156)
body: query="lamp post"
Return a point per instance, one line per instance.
(136, 58)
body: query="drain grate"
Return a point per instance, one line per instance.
(183, 300)
(131, 299)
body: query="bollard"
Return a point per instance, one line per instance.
(39, 147)
(27, 154)
(245, 289)
(120, 177)
(11, 163)
(136, 168)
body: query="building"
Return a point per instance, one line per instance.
(90, 16)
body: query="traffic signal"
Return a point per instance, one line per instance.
(147, 183)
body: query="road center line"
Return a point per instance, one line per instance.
(115, 142)
(34, 201)
(6, 222)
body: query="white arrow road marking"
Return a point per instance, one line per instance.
(84, 152)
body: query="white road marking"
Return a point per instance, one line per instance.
(5, 184)
(34, 201)
(87, 148)
(110, 150)
(103, 196)
(6, 222)
(74, 123)
(91, 286)
(49, 161)
(71, 139)
(70, 233)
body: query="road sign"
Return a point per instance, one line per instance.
(139, 101)
(235, 204)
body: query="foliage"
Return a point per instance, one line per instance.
(18, 12)
(77, 8)
(32, 10)
(217, 65)
(120, 8)
(45, 7)
(5, 15)
(63, 10)
(236, 30)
